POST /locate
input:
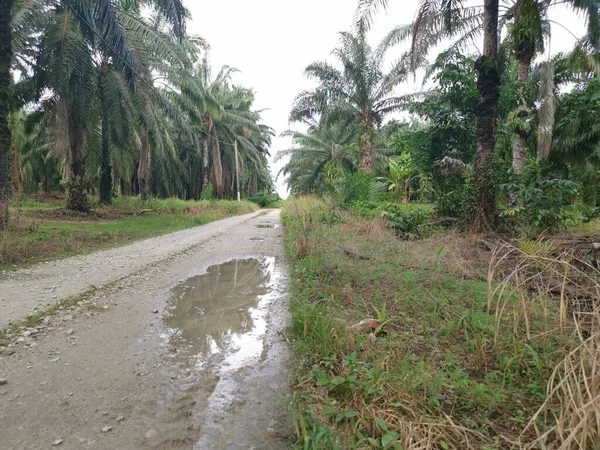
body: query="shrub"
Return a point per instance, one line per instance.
(456, 202)
(265, 199)
(543, 205)
(409, 221)
(367, 210)
(358, 187)
(207, 192)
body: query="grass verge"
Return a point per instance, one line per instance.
(394, 353)
(42, 231)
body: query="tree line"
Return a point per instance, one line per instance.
(501, 134)
(106, 97)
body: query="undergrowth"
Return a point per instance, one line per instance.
(400, 355)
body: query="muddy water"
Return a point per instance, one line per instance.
(221, 313)
(219, 327)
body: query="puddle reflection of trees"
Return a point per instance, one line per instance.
(207, 308)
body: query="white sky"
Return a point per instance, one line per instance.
(272, 41)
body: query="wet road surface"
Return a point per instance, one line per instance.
(186, 354)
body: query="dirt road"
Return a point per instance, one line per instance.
(181, 349)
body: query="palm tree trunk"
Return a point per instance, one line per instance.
(16, 170)
(144, 165)
(520, 148)
(366, 147)
(105, 167)
(5, 83)
(77, 197)
(488, 83)
(205, 162)
(218, 169)
(117, 182)
(254, 186)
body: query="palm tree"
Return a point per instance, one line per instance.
(6, 55)
(318, 158)
(362, 92)
(237, 123)
(528, 25)
(159, 58)
(488, 83)
(221, 113)
(66, 66)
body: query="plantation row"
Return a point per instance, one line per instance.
(116, 98)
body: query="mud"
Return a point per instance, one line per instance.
(185, 355)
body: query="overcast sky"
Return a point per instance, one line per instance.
(272, 41)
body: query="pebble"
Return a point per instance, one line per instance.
(57, 442)
(151, 434)
(106, 429)
(3, 381)
(155, 311)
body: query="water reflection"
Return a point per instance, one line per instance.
(220, 311)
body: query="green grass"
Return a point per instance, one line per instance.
(438, 367)
(39, 231)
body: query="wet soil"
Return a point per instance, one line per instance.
(186, 354)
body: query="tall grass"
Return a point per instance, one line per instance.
(176, 205)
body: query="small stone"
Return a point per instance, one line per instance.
(155, 311)
(3, 381)
(151, 434)
(53, 360)
(70, 331)
(120, 419)
(106, 429)
(364, 326)
(57, 442)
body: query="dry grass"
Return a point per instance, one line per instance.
(571, 413)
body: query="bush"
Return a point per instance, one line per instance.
(544, 205)
(409, 221)
(366, 210)
(358, 187)
(457, 202)
(265, 199)
(207, 192)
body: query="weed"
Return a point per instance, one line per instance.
(461, 362)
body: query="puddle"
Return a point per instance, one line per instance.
(264, 225)
(221, 312)
(257, 238)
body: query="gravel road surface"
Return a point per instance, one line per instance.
(178, 343)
